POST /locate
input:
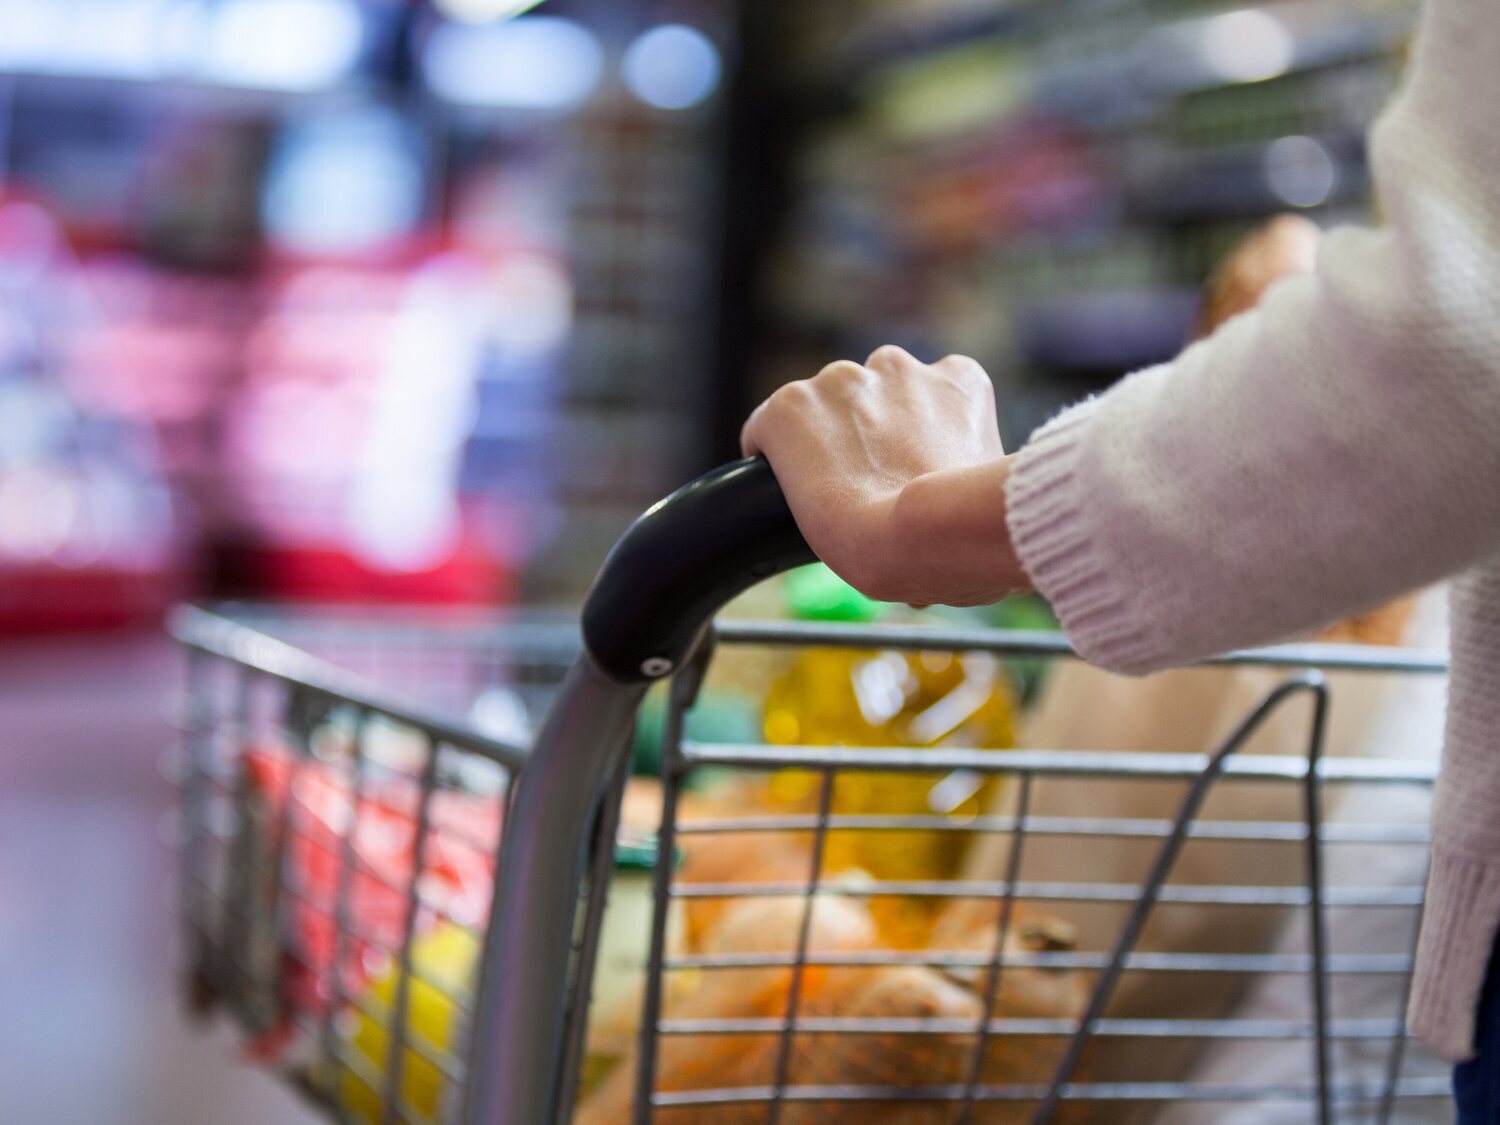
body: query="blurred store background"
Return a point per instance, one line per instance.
(419, 302)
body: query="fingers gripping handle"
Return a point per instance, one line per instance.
(681, 561)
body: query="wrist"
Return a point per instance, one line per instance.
(950, 534)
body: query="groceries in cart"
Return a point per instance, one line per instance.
(849, 933)
(338, 833)
(849, 697)
(334, 837)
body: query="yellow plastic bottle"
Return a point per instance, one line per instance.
(443, 961)
(850, 697)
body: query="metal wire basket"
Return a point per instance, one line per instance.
(401, 902)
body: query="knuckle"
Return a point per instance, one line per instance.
(966, 370)
(889, 355)
(783, 400)
(793, 398)
(844, 371)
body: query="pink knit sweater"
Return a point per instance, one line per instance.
(1314, 458)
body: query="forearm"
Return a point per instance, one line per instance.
(1319, 455)
(1256, 489)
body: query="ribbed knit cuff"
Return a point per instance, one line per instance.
(1459, 926)
(1050, 527)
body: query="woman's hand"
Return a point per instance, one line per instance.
(1286, 246)
(896, 475)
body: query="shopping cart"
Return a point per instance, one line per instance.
(320, 957)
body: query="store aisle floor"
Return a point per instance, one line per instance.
(91, 1032)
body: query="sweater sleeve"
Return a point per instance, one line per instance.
(1335, 447)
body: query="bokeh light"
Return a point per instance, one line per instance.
(482, 11)
(345, 183)
(536, 62)
(283, 44)
(1301, 171)
(1247, 46)
(672, 67)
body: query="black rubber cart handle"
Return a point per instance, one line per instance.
(681, 561)
(658, 590)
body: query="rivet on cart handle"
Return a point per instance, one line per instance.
(681, 561)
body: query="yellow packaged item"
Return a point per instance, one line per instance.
(851, 697)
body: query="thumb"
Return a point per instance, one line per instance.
(750, 445)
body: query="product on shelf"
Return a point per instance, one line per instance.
(1042, 185)
(347, 438)
(262, 241)
(92, 533)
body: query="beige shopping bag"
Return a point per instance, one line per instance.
(1190, 711)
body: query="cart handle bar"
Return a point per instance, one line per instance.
(655, 595)
(680, 562)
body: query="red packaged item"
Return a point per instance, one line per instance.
(297, 813)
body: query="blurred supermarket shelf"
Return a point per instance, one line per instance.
(371, 300)
(1043, 185)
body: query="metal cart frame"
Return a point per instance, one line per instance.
(648, 619)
